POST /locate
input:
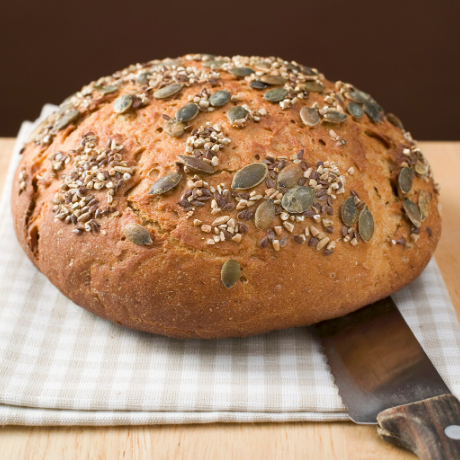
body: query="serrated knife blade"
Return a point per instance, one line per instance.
(383, 374)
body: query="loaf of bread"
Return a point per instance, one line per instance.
(211, 197)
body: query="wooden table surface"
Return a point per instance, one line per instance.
(305, 441)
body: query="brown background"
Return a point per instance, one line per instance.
(404, 52)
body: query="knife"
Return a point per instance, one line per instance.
(384, 377)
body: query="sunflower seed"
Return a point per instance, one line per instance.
(168, 91)
(334, 117)
(276, 95)
(230, 273)
(263, 242)
(405, 179)
(372, 110)
(366, 225)
(107, 89)
(290, 176)
(349, 211)
(394, 120)
(143, 78)
(237, 113)
(241, 71)
(197, 165)
(187, 112)
(354, 110)
(273, 80)
(137, 234)
(165, 184)
(220, 98)
(310, 116)
(413, 212)
(122, 103)
(174, 128)
(67, 118)
(265, 214)
(249, 176)
(257, 84)
(424, 204)
(298, 199)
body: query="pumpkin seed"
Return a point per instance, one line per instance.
(143, 78)
(174, 128)
(64, 107)
(137, 234)
(265, 214)
(241, 71)
(206, 56)
(33, 135)
(424, 204)
(213, 64)
(421, 167)
(394, 120)
(187, 112)
(290, 176)
(249, 176)
(272, 80)
(377, 105)
(196, 164)
(372, 110)
(107, 89)
(298, 199)
(262, 66)
(355, 110)
(165, 184)
(257, 84)
(276, 95)
(66, 103)
(334, 117)
(220, 98)
(413, 212)
(237, 113)
(310, 116)
(405, 179)
(67, 118)
(122, 103)
(305, 69)
(168, 91)
(313, 87)
(349, 212)
(366, 225)
(356, 96)
(230, 273)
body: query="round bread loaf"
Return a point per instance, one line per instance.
(210, 197)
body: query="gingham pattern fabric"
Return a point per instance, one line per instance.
(60, 365)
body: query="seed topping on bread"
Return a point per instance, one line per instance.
(279, 198)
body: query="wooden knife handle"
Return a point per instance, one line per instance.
(430, 428)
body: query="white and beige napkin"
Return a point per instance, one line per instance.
(60, 365)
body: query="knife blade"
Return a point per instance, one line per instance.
(384, 377)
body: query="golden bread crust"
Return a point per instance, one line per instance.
(173, 286)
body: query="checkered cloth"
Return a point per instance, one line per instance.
(61, 365)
